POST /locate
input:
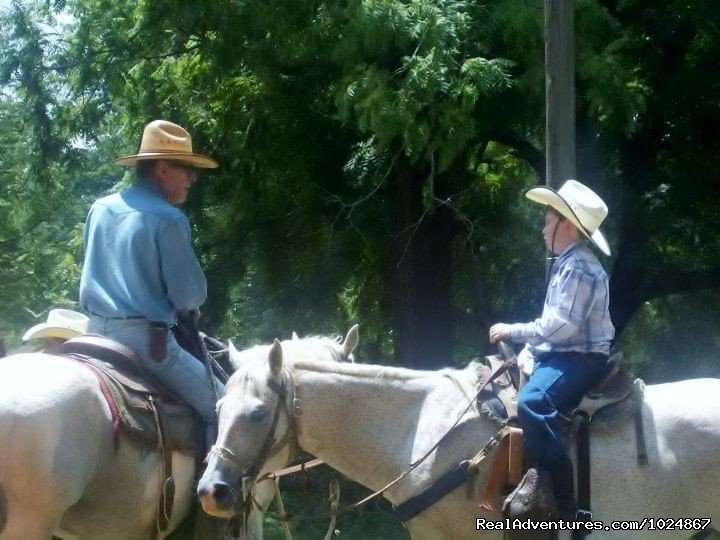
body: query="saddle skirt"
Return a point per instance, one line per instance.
(144, 410)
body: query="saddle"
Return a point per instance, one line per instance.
(500, 401)
(616, 396)
(141, 408)
(146, 411)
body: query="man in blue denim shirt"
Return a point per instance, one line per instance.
(570, 342)
(140, 269)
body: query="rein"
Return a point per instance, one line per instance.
(345, 509)
(305, 465)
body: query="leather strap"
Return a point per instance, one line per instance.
(515, 466)
(167, 489)
(506, 468)
(305, 465)
(583, 467)
(497, 474)
(642, 456)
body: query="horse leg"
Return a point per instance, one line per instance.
(27, 518)
(34, 495)
(49, 432)
(264, 493)
(23, 525)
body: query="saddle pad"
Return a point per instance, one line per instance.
(134, 401)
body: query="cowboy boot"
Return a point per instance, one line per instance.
(533, 495)
(531, 500)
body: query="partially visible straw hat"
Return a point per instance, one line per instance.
(61, 323)
(164, 140)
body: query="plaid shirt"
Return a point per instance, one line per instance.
(575, 316)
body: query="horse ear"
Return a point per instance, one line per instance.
(295, 336)
(275, 358)
(351, 341)
(233, 355)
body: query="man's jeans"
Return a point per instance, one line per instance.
(556, 386)
(180, 372)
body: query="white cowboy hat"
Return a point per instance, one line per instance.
(578, 203)
(61, 323)
(165, 140)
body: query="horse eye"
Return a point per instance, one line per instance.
(259, 414)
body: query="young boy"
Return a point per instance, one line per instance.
(570, 342)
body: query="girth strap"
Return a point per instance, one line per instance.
(444, 485)
(642, 455)
(582, 446)
(167, 489)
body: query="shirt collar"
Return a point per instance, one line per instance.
(572, 247)
(569, 250)
(150, 186)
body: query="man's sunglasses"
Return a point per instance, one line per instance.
(189, 169)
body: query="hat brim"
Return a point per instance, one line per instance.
(44, 330)
(198, 160)
(547, 196)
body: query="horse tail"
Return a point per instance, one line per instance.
(3, 508)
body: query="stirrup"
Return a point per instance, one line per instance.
(583, 515)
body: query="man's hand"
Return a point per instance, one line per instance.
(499, 331)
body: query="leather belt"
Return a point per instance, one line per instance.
(125, 318)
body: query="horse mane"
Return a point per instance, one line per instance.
(318, 348)
(465, 379)
(325, 355)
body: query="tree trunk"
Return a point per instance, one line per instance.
(422, 275)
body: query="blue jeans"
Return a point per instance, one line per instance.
(556, 386)
(180, 372)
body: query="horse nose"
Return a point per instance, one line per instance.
(223, 495)
(220, 492)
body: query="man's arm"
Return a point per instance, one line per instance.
(183, 276)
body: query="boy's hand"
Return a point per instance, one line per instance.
(499, 331)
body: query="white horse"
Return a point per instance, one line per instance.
(370, 422)
(60, 473)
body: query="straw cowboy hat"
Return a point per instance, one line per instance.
(578, 203)
(165, 140)
(61, 323)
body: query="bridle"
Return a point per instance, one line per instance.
(271, 445)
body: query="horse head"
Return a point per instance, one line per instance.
(256, 418)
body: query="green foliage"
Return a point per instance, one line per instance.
(353, 137)
(668, 341)
(409, 77)
(306, 496)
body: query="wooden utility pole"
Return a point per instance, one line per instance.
(559, 91)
